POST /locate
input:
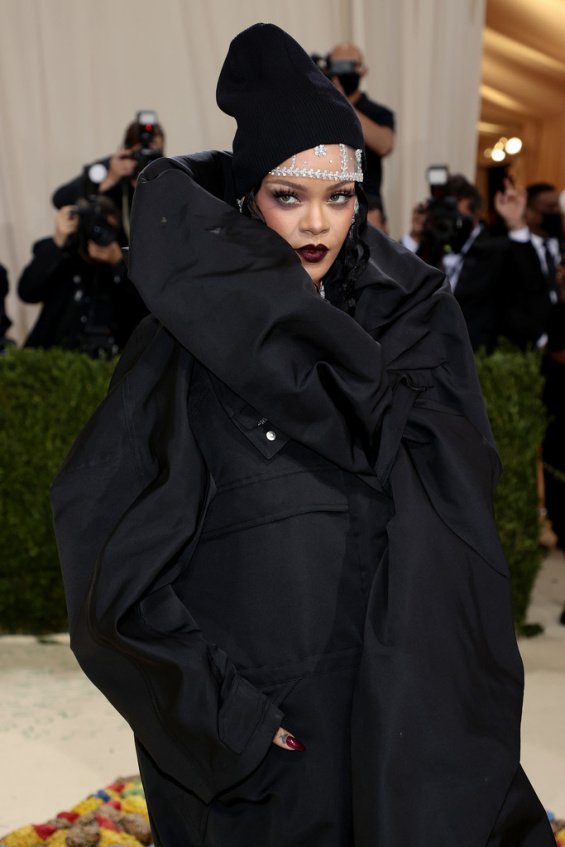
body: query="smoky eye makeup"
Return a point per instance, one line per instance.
(343, 192)
(285, 196)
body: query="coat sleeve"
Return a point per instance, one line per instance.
(235, 295)
(126, 523)
(41, 274)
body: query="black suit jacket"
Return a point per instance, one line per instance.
(524, 304)
(479, 287)
(503, 292)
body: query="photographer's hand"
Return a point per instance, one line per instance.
(419, 214)
(511, 205)
(110, 255)
(66, 222)
(121, 166)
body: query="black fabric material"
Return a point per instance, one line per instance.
(503, 292)
(68, 193)
(121, 194)
(487, 272)
(63, 283)
(5, 322)
(551, 270)
(216, 590)
(525, 302)
(282, 103)
(373, 175)
(553, 447)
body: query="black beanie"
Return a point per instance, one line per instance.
(282, 103)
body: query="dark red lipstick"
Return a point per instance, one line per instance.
(312, 252)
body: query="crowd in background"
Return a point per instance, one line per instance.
(510, 285)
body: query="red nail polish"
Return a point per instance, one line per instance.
(295, 744)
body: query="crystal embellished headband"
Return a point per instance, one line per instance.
(350, 166)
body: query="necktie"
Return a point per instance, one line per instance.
(551, 272)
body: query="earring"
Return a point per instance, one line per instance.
(355, 211)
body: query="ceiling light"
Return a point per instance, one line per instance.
(498, 154)
(513, 146)
(488, 152)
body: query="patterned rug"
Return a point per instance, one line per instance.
(116, 816)
(558, 827)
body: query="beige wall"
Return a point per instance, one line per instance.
(74, 72)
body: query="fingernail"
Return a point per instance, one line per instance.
(295, 744)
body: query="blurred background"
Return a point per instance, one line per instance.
(477, 86)
(458, 74)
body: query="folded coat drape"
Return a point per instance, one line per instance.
(379, 414)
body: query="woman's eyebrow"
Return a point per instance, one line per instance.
(286, 182)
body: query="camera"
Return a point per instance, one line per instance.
(148, 128)
(93, 225)
(142, 131)
(337, 67)
(445, 229)
(346, 70)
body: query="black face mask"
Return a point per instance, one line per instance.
(551, 224)
(349, 82)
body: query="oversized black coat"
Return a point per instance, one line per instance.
(282, 515)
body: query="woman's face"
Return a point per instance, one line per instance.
(312, 215)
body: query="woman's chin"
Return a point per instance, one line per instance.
(316, 274)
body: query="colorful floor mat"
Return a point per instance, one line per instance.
(558, 827)
(115, 816)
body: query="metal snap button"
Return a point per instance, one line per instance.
(271, 435)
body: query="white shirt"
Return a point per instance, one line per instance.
(453, 262)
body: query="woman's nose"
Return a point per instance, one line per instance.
(314, 219)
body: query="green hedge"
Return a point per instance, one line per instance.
(47, 395)
(512, 387)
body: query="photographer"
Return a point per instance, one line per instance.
(447, 231)
(80, 276)
(345, 66)
(116, 176)
(534, 222)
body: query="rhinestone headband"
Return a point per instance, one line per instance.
(350, 169)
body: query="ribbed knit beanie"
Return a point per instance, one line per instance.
(282, 103)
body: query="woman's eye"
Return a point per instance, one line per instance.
(341, 197)
(286, 198)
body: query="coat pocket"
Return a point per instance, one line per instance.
(274, 498)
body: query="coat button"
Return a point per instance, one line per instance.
(271, 435)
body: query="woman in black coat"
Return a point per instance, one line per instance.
(276, 532)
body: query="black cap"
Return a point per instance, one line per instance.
(282, 103)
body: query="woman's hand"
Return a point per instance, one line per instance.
(287, 741)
